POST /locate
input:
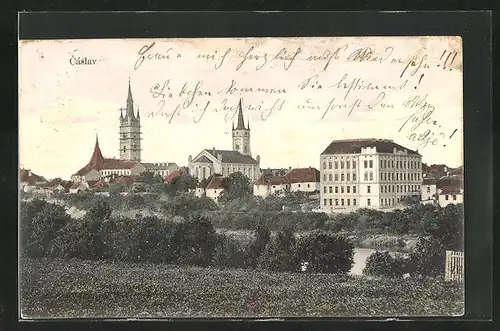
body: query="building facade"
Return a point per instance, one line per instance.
(295, 180)
(367, 173)
(130, 131)
(429, 189)
(161, 168)
(225, 162)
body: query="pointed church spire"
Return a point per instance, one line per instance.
(130, 102)
(97, 160)
(241, 123)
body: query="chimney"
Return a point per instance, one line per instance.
(213, 149)
(289, 168)
(29, 172)
(190, 158)
(258, 158)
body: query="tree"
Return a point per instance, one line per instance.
(262, 235)
(447, 228)
(181, 184)
(238, 186)
(99, 209)
(229, 253)
(280, 254)
(326, 253)
(45, 226)
(428, 258)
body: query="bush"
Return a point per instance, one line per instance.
(262, 235)
(43, 227)
(383, 264)
(326, 253)
(229, 253)
(98, 209)
(196, 240)
(280, 254)
(142, 239)
(428, 258)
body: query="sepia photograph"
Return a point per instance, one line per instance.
(241, 177)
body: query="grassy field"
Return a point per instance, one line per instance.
(70, 289)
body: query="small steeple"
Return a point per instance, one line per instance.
(248, 124)
(241, 124)
(130, 102)
(138, 116)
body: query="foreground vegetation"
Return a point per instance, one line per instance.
(75, 288)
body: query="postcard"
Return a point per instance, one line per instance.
(241, 177)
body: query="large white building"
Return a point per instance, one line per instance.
(225, 162)
(367, 173)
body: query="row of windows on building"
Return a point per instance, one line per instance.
(115, 172)
(399, 164)
(347, 202)
(412, 176)
(447, 197)
(369, 176)
(383, 189)
(207, 171)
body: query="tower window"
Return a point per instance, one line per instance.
(124, 149)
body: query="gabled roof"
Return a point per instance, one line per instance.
(450, 190)
(217, 182)
(232, 156)
(271, 180)
(174, 174)
(303, 175)
(353, 146)
(203, 159)
(29, 177)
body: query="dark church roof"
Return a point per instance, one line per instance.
(232, 156)
(353, 146)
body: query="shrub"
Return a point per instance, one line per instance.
(280, 254)
(98, 209)
(229, 253)
(383, 264)
(196, 240)
(143, 238)
(262, 235)
(326, 253)
(44, 227)
(428, 258)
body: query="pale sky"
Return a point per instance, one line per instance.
(63, 105)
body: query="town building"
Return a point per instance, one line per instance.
(98, 167)
(295, 180)
(225, 162)
(29, 181)
(429, 189)
(367, 173)
(216, 187)
(450, 190)
(160, 168)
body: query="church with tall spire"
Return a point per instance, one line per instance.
(130, 130)
(225, 162)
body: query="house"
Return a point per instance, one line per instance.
(267, 185)
(215, 187)
(429, 191)
(78, 187)
(450, 190)
(275, 172)
(29, 181)
(436, 171)
(368, 173)
(304, 179)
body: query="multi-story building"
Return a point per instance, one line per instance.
(367, 173)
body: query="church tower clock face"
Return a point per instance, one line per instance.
(237, 147)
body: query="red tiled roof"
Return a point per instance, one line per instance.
(98, 162)
(350, 146)
(174, 174)
(303, 175)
